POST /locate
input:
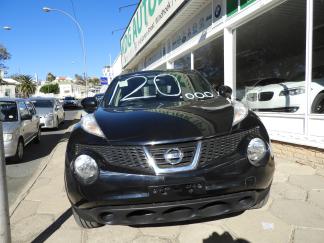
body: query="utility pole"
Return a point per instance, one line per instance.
(5, 235)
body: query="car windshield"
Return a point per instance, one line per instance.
(158, 87)
(69, 98)
(9, 111)
(43, 103)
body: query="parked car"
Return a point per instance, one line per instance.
(21, 125)
(289, 96)
(70, 102)
(50, 111)
(164, 146)
(99, 97)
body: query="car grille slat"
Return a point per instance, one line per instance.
(134, 157)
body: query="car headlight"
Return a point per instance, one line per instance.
(86, 169)
(49, 115)
(291, 92)
(240, 112)
(90, 125)
(7, 137)
(256, 151)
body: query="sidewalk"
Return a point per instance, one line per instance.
(294, 214)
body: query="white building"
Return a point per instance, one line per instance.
(274, 46)
(68, 87)
(8, 87)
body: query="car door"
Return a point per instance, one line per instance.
(26, 129)
(35, 118)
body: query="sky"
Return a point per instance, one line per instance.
(42, 42)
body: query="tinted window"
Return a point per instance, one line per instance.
(9, 111)
(31, 108)
(159, 87)
(23, 109)
(43, 103)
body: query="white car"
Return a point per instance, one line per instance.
(287, 96)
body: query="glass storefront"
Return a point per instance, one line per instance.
(271, 60)
(209, 60)
(183, 63)
(317, 84)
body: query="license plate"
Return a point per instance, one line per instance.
(195, 188)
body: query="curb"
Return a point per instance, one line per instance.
(38, 173)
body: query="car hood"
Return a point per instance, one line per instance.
(182, 121)
(44, 111)
(10, 127)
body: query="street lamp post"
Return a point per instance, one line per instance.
(5, 235)
(46, 10)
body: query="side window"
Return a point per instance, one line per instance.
(31, 108)
(23, 109)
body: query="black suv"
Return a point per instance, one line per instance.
(164, 146)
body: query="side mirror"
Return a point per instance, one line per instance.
(26, 117)
(225, 91)
(89, 104)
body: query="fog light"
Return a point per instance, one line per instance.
(86, 169)
(256, 151)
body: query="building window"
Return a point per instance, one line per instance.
(271, 60)
(209, 60)
(317, 84)
(183, 63)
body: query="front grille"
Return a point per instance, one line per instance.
(134, 158)
(265, 96)
(216, 148)
(128, 157)
(158, 151)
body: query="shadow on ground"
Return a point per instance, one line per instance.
(50, 230)
(224, 238)
(49, 139)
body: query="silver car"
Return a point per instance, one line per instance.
(21, 125)
(50, 111)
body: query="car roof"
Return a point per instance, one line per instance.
(42, 98)
(12, 99)
(155, 72)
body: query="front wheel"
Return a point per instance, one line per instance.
(20, 151)
(318, 104)
(38, 137)
(84, 223)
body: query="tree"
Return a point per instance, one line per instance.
(4, 55)
(27, 86)
(50, 88)
(79, 79)
(50, 77)
(94, 81)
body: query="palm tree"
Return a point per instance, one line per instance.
(26, 87)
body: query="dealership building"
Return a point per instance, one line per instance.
(270, 52)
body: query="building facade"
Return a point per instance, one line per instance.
(271, 52)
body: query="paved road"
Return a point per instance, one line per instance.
(19, 174)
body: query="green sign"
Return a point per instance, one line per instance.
(232, 5)
(147, 20)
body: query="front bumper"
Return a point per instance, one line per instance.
(10, 148)
(167, 212)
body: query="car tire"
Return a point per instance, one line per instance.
(57, 124)
(19, 152)
(38, 137)
(84, 223)
(318, 104)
